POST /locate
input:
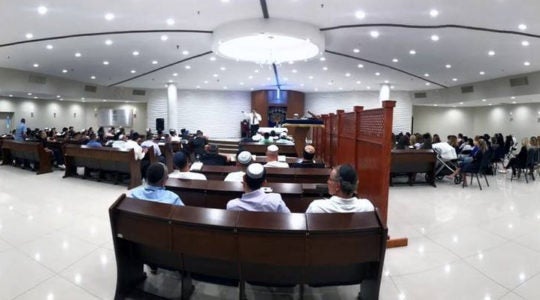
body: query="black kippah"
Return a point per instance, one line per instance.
(348, 174)
(154, 173)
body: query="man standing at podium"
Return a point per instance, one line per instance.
(254, 118)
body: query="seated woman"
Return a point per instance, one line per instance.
(520, 159)
(474, 164)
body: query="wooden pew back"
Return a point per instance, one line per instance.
(414, 161)
(31, 151)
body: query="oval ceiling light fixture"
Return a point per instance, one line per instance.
(268, 41)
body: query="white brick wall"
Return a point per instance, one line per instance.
(320, 103)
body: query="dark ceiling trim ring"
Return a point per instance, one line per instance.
(60, 37)
(432, 27)
(384, 65)
(264, 8)
(161, 68)
(278, 85)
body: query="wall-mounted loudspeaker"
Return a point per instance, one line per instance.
(160, 124)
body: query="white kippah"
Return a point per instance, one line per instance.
(309, 149)
(255, 171)
(272, 148)
(244, 157)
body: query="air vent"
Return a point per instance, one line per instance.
(37, 79)
(519, 81)
(420, 95)
(139, 92)
(467, 89)
(90, 88)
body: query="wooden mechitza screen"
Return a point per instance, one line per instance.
(374, 131)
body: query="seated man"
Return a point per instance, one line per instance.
(181, 163)
(272, 158)
(342, 184)
(93, 142)
(308, 155)
(212, 157)
(154, 189)
(254, 198)
(243, 159)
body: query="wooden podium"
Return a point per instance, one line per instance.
(301, 128)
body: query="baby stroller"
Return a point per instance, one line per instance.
(444, 167)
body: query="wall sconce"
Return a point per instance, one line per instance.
(134, 113)
(31, 114)
(511, 117)
(54, 115)
(74, 115)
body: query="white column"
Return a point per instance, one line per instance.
(384, 93)
(172, 104)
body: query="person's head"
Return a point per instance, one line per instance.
(243, 159)
(266, 135)
(157, 174)
(199, 133)
(212, 149)
(135, 136)
(525, 142)
(272, 152)
(436, 139)
(343, 181)
(180, 161)
(92, 136)
(482, 145)
(23, 120)
(309, 152)
(255, 177)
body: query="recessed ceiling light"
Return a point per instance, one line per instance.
(50, 47)
(175, 74)
(368, 87)
(434, 37)
(109, 16)
(104, 100)
(83, 98)
(322, 58)
(412, 52)
(522, 27)
(294, 71)
(448, 66)
(433, 13)
(360, 14)
(29, 35)
(78, 54)
(427, 83)
(223, 68)
(225, 1)
(212, 58)
(490, 104)
(185, 52)
(482, 73)
(215, 75)
(524, 43)
(395, 60)
(356, 50)
(461, 103)
(10, 95)
(454, 79)
(374, 34)
(386, 81)
(154, 62)
(513, 97)
(198, 87)
(35, 97)
(187, 67)
(206, 82)
(256, 71)
(29, 94)
(135, 53)
(483, 100)
(358, 82)
(133, 71)
(241, 83)
(491, 52)
(426, 74)
(513, 102)
(170, 21)
(64, 71)
(225, 88)
(108, 42)
(526, 63)
(360, 66)
(311, 77)
(164, 37)
(435, 105)
(36, 65)
(250, 77)
(377, 74)
(92, 77)
(316, 89)
(325, 68)
(42, 10)
(347, 74)
(105, 62)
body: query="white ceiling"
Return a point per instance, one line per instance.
(466, 50)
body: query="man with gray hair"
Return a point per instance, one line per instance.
(254, 198)
(342, 185)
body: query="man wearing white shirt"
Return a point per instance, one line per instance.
(254, 119)
(181, 164)
(342, 185)
(272, 153)
(243, 159)
(446, 151)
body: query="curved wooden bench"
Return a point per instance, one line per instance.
(237, 247)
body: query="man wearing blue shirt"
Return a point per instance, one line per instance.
(20, 132)
(154, 189)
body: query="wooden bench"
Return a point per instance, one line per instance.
(216, 193)
(412, 161)
(31, 151)
(260, 149)
(270, 249)
(103, 159)
(293, 175)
